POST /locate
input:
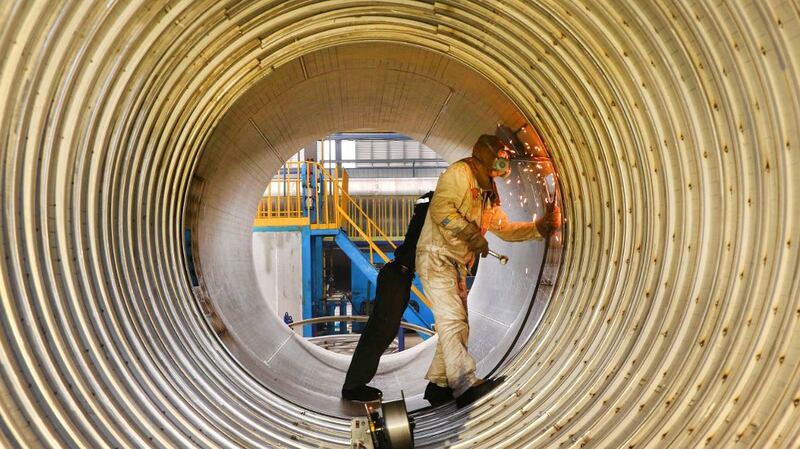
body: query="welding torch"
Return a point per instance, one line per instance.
(503, 259)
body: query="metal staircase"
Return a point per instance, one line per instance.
(306, 196)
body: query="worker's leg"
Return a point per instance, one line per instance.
(437, 392)
(440, 280)
(436, 372)
(391, 299)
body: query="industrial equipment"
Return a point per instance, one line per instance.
(386, 427)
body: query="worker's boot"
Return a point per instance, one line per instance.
(437, 395)
(477, 391)
(363, 393)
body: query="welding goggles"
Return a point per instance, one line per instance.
(501, 165)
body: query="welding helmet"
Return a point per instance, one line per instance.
(490, 151)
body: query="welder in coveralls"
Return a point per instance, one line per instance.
(464, 206)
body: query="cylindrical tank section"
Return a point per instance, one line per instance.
(673, 126)
(267, 348)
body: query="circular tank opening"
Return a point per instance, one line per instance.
(358, 87)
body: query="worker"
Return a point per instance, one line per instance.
(311, 185)
(464, 206)
(393, 289)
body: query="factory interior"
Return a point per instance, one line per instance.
(198, 196)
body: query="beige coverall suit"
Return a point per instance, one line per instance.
(443, 260)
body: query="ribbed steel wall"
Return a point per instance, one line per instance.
(674, 126)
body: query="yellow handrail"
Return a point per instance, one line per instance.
(390, 213)
(372, 244)
(370, 222)
(358, 229)
(382, 255)
(381, 217)
(283, 200)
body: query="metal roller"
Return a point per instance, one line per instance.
(398, 426)
(386, 427)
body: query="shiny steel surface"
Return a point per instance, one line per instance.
(675, 310)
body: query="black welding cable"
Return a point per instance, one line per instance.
(527, 312)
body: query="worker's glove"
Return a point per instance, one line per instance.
(551, 220)
(476, 242)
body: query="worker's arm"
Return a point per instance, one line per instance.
(519, 231)
(450, 190)
(512, 231)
